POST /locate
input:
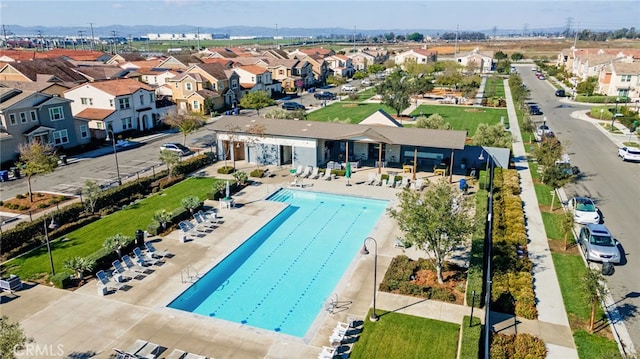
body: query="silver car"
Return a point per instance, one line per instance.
(584, 210)
(598, 244)
(629, 153)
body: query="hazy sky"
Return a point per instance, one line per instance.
(390, 14)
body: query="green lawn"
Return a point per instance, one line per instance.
(398, 335)
(366, 94)
(470, 347)
(595, 347)
(352, 111)
(543, 192)
(89, 239)
(463, 117)
(553, 226)
(494, 87)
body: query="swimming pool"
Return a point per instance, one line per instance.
(280, 277)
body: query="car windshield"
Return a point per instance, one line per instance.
(585, 205)
(603, 241)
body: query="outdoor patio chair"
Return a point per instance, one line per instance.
(299, 170)
(154, 252)
(211, 217)
(149, 351)
(315, 174)
(105, 282)
(327, 353)
(189, 228)
(405, 183)
(418, 185)
(121, 272)
(130, 265)
(391, 182)
(327, 175)
(307, 172)
(177, 354)
(194, 356)
(378, 180)
(202, 223)
(143, 259)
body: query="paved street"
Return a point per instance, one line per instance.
(612, 184)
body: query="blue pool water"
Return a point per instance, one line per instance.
(280, 277)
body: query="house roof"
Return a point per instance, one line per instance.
(118, 87)
(97, 114)
(30, 86)
(205, 93)
(339, 131)
(626, 68)
(86, 55)
(380, 118)
(99, 73)
(254, 69)
(218, 60)
(216, 70)
(58, 68)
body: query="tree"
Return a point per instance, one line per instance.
(336, 80)
(171, 159)
(257, 100)
(500, 55)
(558, 175)
(547, 153)
(116, 243)
(191, 203)
(36, 158)
(416, 36)
(79, 265)
(241, 177)
(434, 122)
(492, 136)
(91, 193)
(12, 338)
(395, 91)
(375, 68)
(588, 86)
(567, 225)
(163, 217)
(359, 75)
(437, 220)
(516, 56)
(185, 123)
(593, 284)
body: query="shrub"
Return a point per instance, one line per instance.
(38, 194)
(154, 228)
(42, 205)
(61, 280)
(20, 196)
(23, 208)
(225, 170)
(517, 346)
(257, 173)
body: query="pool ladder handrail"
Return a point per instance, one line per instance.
(189, 274)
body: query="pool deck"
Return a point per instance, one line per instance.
(86, 324)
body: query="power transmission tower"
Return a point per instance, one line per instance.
(113, 41)
(455, 48)
(276, 36)
(80, 33)
(4, 33)
(567, 32)
(41, 40)
(525, 30)
(495, 32)
(198, 37)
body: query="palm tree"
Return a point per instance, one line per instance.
(163, 217)
(79, 265)
(116, 242)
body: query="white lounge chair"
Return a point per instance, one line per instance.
(154, 252)
(404, 184)
(105, 282)
(307, 172)
(327, 175)
(211, 217)
(418, 185)
(391, 182)
(371, 179)
(327, 353)
(132, 266)
(315, 174)
(202, 224)
(378, 180)
(143, 349)
(299, 170)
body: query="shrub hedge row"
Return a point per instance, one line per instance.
(517, 346)
(512, 289)
(28, 235)
(476, 260)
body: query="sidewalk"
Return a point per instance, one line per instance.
(547, 289)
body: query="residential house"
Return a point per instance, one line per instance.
(620, 79)
(419, 56)
(291, 73)
(47, 88)
(320, 68)
(320, 51)
(257, 78)
(340, 65)
(28, 116)
(42, 70)
(179, 62)
(119, 59)
(155, 76)
(361, 60)
(214, 77)
(477, 61)
(585, 66)
(123, 105)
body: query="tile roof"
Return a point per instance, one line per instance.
(205, 93)
(18, 55)
(98, 73)
(216, 70)
(254, 69)
(29, 86)
(217, 60)
(118, 87)
(73, 54)
(338, 131)
(626, 68)
(98, 114)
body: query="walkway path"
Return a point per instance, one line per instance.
(547, 289)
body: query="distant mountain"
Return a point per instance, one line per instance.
(142, 30)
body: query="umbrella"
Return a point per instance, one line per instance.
(227, 191)
(347, 172)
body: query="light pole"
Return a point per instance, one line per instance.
(52, 225)
(615, 113)
(373, 317)
(488, 245)
(115, 152)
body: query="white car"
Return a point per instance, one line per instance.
(348, 88)
(182, 150)
(584, 210)
(629, 153)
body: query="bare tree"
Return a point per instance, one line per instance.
(185, 123)
(91, 193)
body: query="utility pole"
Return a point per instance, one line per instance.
(93, 40)
(80, 33)
(575, 39)
(198, 37)
(455, 48)
(41, 40)
(4, 33)
(113, 41)
(130, 45)
(276, 36)
(354, 39)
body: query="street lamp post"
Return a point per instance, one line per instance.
(373, 317)
(115, 152)
(52, 225)
(488, 245)
(615, 113)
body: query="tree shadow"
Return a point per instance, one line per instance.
(81, 355)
